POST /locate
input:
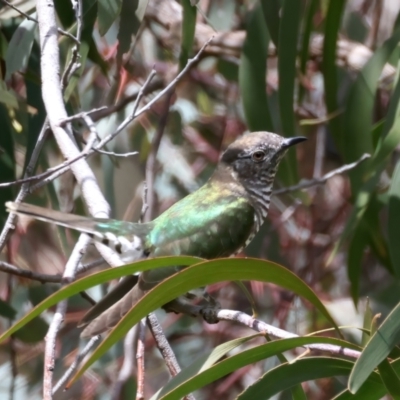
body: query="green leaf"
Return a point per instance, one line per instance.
(7, 98)
(188, 28)
(199, 275)
(305, 45)
(202, 364)
(107, 13)
(198, 375)
(297, 391)
(287, 375)
(34, 331)
(390, 130)
(357, 126)
(394, 220)
(287, 54)
(270, 10)
(355, 255)
(34, 99)
(390, 379)
(93, 280)
(7, 161)
(252, 73)
(132, 13)
(20, 46)
(332, 25)
(6, 310)
(382, 342)
(367, 324)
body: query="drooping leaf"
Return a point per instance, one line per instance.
(199, 275)
(20, 47)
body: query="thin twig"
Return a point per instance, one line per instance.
(58, 318)
(55, 172)
(128, 365)
(70, 371)
(9, 225)
(308, 183)
(35, 276)
(73, 64)
(28, 17)
(260, 326)
(140, 360)
(148, 106)
(151, 160)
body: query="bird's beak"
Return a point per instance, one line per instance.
(292, 141)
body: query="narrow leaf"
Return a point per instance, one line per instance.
(178, 387)
(394, 220)
(199, 275)
(390, 379)
(288, 375)
(93, 280)
(252, 73)
(20, 46)
(378, 348)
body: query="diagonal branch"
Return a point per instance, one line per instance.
(308, 183)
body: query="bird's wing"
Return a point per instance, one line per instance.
(208, 223)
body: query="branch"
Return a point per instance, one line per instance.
(44, 278)
(308, 183)
(140, 360)
(165, 349)
(262, 327)
(9, 225)
(70, 371)
(58, 318)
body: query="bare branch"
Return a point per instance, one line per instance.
(128, 365)
(164, 347)
(70, 371)
(9, 225)
(55, 325)
(308, 183)
(260, 326)
(43, 278)
(140, 360)
(152, 157)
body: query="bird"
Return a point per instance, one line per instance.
(218, 220)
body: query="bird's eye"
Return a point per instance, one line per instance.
(258, 156)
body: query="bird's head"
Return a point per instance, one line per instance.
(254, 157)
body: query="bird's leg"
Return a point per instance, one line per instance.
(207, 308)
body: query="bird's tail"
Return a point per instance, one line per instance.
(121, 236)
(112, 307)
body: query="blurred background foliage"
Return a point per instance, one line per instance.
(324, 69)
